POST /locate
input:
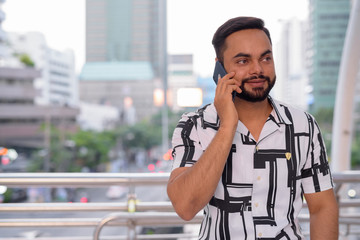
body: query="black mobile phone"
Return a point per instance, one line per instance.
(220, 71)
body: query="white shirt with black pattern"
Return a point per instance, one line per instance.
(259, 195)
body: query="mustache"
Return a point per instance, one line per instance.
(256, 77)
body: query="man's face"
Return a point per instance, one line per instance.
(248, 53)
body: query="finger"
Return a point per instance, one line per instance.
(230, 75)
(238, 89)
(226, 77)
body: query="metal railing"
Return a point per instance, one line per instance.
(130, 213)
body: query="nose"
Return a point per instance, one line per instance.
(256, 68)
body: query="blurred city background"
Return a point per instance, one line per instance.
(99, 85)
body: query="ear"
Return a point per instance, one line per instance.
(216, 59)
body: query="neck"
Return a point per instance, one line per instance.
(250, 111)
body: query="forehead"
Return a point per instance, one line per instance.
(249, 41)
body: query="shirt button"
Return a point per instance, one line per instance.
(258, 178)
(260, 234)
(256, 204)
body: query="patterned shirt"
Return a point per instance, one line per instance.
(259, 195)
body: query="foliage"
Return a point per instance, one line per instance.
(355, 152)
(147, 133)
(25, 59)
(141, 135)
(7, 195)
(92, 148)
(88, 149)
(324, 117)
(58, 154)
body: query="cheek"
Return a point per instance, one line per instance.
(269, 69)
(239, 73)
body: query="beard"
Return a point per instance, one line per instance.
(257, 94)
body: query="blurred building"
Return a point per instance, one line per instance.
(3, 48)
(128, 86)
(24, 86)
(97, 117)
(21, 121)
(58, 84)
(292, 84)
(182, 82)
(126, 30)
(328, 24)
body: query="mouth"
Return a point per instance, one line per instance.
(255, 82)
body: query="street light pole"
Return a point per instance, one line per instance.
(47, 142)
(163, 50)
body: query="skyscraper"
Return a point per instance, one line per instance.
(126, 30)
(292, 80)
(328, 24)
(57, 84)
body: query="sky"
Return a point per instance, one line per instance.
(190, 23)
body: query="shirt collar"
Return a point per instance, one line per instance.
(279, 112)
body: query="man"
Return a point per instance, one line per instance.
(249, 161)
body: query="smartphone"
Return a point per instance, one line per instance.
(220, 71)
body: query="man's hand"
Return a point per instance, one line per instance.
(223, 100)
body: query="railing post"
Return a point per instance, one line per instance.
(131, 199)
(131, 230)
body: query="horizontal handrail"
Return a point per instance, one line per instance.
(140, 218)
(107, 179)
(164, 206)
(166, 236)
(346, 176)
(122, 219)
(82, 179)
(53, 207)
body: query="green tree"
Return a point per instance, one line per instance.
(92, 148)
(148, 132)
(87, 148)
(59, 155)
(324, 117)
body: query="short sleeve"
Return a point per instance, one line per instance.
(316, 175)
(185, 142)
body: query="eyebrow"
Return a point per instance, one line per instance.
(248, 55)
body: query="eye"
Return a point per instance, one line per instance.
(267, 59)
(242, 61)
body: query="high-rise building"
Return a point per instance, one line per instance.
(128, 86)
(126, 30)
(57, 84)
(21, 120)
(292, 80)
(328, 24)
(181, 80)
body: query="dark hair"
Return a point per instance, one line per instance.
(234, 25)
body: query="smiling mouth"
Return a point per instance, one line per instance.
(258, 80)
(257, 83)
